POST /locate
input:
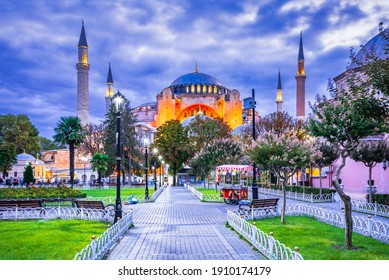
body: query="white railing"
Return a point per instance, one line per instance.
(266, 244)
(365, 226)
(312, 198)
(18, 213)
(204, 197)
(100, 246)
(369, 208)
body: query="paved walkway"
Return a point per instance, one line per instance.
(180, 227)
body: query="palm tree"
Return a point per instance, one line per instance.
(69, 131)
(100, 164)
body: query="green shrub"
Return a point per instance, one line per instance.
(40, 192)
(300, 189)
(379, 198)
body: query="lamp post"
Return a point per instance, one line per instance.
(155, 153)
(255, 186)
(118, 100)
(84, 159)
(160, 170)
(146, 143)
(167, 173)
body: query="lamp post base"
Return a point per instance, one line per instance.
(118, 210)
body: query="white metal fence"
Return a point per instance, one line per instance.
(265, 243)
(204, 197)
(100, 246)
(312, 198)
(369, 208)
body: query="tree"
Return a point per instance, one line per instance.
(28, 175)
(93, 141)
(203, 130)
(130, 146)
(172, 142)
(283, 155)
(100, 164)
(69, 131)
(7, 157)
(47, 144)
(328, 153)
(370, 153)
(18, 130)
(216, 153)
(344, 120)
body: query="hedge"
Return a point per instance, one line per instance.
(300, 189)
(40, 192)
(379, 198)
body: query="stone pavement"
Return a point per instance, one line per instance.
(180, 227)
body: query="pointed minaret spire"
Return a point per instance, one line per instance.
(82, 41)
(279, 99)
(109, 90)
(300, 82)
(83, 79)
(196, 69)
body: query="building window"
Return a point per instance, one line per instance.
(211, 115)
(191, 112)
(214, 89)
(15, 174)
(209, 89)
(187, 89)
(192, 88)
(198, 88)
(184, 114)
(204, 89)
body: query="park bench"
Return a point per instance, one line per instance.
(93, 204)
(26, 204)
(267, 204)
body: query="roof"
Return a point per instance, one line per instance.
(82, 42)
(301, 49)
(279, 80)
(376, 46)
(232, 167)
(147, 104)
(195, 79)
(25, 157)
(109, 78)
(187, 121)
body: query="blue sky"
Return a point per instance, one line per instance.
(150, 43)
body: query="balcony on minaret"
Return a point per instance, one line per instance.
(300, 68)
(83, 55)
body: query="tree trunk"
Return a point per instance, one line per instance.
(347, 204)
(174, 176)
(71, 163)
(99, 177)
(321, 184)
(370, 195)
(283, 203)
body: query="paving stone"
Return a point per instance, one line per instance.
(180, 227)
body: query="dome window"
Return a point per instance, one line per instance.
(198, 89)
(204, 89)
(192, 88)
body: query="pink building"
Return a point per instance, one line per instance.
(355, 174)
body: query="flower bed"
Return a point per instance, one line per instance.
(40, 192)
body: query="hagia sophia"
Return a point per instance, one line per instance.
(188, 95)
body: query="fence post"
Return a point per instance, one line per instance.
(311, 200)
(271, 244)
(296, 253)
(16, 215)
(375, 208)
(369, 224)
(93, 246)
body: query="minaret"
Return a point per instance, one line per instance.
(83, 79)
(279, 99)
(109, 90)
(300, 82)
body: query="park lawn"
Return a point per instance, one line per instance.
(208, 191)
(112, 192)
(320, 241)
(46, 239)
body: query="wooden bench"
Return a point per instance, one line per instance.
(32, 204)
(21, 203)
(268, 204)
(93, 204)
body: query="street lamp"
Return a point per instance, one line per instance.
(255, 186)
(155, 152)
(167, 172)
(84, 159)
(146, 143)
(118, 100)
(160, 169)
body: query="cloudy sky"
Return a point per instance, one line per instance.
(150, 43)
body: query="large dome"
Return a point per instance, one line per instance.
(25, 157)
(375, 46)
(196, 79)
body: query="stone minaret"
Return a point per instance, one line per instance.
(300, 82)
(279, 99)
(83, 79)
(109, 90)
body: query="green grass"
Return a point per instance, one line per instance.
(46, 240)
(208, 191)
(320, 241)
(112, 192)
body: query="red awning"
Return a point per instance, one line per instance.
(232, 167)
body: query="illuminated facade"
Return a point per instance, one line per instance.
(189, 95)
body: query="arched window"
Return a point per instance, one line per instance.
(204, 89)
(209, 89)
(185, 115)
(214, 89)
(192, 88)
(191, 112)
(187, 89)
(198, 88)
